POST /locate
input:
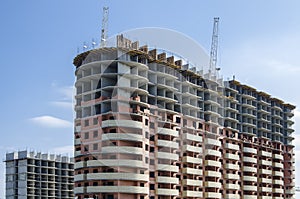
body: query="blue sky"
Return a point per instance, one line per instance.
(259, 43)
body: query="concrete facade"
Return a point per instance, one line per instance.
(148, 126)
(32, 175)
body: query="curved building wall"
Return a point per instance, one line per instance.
(149, 127)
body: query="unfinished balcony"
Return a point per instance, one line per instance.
(212, 152)
(117, 189)
(250, 178)
(265, 180)
(192, 137)
(165, 131)
(232, 196)
(266, 189)
(214, 142)
(249, 150)
(265, 171)
(232, 176)
(167, 192)
(212, 163)
(167, 180)
(232, 186)
(232, 166)
(215, 174)
(250, 169)
(192, 171)
(231, 146)
(231, 156)
(278, 157)
(250, 160)
(191, 182)
(213, 195)
(188, 159)
(189, 193)
(250, 188)
(265, 162)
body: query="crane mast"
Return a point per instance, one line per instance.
(104, 27)
(214, 47)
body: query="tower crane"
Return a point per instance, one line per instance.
(104, 27)
(214, 48)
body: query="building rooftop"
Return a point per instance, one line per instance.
(37, 155)
(153, 55)
(261, 93)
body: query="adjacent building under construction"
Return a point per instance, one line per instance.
(31, 175)
(149, 126)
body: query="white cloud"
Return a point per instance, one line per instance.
(297, 114)
(62, 104)
(270, 64)
(7, 148)
(296, 142)
(265, 56)
(52, 122)
(67, 92)
(64, 96)
(297, 157)
(64, 150)
(280, 66)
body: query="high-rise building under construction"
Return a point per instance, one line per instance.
(148, 126)
(31, 175)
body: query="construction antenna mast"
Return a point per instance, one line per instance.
(214, 48)
(104, 27)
